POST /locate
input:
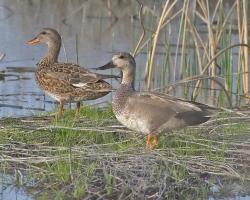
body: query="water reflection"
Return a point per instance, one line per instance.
(8, 190)
(92, 29)
(98, 35)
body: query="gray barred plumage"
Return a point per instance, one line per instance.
(151, 113)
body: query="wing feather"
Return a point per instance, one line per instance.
(160, 109)
(72, 74)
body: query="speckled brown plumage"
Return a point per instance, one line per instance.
(66, 82)
(59, 79)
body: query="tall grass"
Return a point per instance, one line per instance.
(243, 38)
(205, 29)
(162, 19)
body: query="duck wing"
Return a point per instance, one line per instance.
(182, 104)
(74, 74)
(162, 111)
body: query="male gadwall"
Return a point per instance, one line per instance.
(147, 112)
(66, 82)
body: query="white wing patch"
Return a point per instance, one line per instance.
(80, 85)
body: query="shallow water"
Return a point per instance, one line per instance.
(97, 31)
(90, 23)
(8, 190)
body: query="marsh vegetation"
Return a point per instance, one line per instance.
(94, 157)
(196, 49)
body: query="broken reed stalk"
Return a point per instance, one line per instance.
(214, 34)
(240, 49)
(213, 47)
(196, 40)
(163, 17)
(197, 86)
(205, 50)
(244, 51)
(212, 42)
(184, 35)
(143, 29)
(243, 34)
(181, 32)
(171, 87)
(163, 25)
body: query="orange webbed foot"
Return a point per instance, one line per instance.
(149, 144)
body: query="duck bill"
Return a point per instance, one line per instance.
(107, 66)
(33, 41)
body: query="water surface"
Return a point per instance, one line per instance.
(89, 25)
(91, 30)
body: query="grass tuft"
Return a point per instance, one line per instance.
(94, 156)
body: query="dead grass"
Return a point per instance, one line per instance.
(94, 157)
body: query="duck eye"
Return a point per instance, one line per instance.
(43, 33)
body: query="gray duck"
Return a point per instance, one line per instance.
(66, 82)
(148, 112)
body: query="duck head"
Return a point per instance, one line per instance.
(47, 35)
(52, 38)
(126, 63)
(121, 61)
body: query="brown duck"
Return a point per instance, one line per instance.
(66, 82)
(151, 113)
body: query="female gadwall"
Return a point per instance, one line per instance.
(147, 112)
(66, 82)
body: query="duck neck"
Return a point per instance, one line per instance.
(124, 90)
(52, 55)
(128, 76)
